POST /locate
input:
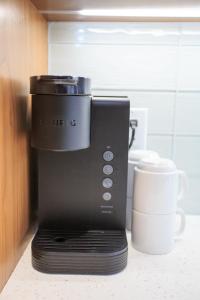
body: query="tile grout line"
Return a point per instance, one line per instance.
(120, 89)
(122, 44)
(184, 135)
(176, 94)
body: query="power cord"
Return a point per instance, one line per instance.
(133, 124)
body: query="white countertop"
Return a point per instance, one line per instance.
(175, 276)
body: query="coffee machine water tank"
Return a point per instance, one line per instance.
(60, 113)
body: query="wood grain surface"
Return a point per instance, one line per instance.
(66, 10)
(23, 52)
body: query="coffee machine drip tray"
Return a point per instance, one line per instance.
(97, 252)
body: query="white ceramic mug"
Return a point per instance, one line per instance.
(156, 234)
(158, 185)
(134, 158)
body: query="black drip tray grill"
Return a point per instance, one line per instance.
(79, 252)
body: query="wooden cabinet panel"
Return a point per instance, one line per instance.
(111, 4)
(23, 52)
(67, 10)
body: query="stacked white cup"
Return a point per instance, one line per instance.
(134, 157)
(158, 185)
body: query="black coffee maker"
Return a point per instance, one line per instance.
(82, 152)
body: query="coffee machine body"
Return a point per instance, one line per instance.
(82, 180)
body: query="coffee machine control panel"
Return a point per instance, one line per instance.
(107, 182)
(108, 155)
(107, 205)
(107, 196)
(107, 169)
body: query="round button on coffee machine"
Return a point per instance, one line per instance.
(106, 196)
(107, 169)
(108, 156)
(107, 183)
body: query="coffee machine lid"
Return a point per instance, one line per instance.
(60, 85)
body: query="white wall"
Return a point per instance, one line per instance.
(157, 65)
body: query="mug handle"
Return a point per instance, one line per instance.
(183, 185)
(181, 229)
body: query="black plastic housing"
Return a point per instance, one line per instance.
(80, 252)
(61, 108)
(79, 231)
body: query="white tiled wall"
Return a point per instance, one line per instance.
(157, 65)
(188, 123)
(123, 66)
